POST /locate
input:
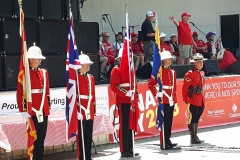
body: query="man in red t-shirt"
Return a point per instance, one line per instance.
(185, 42)
(107, 51)
(201, 47)
(138, 52)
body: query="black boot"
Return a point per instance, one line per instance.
(196, 128)
(169, 142)
(193, 139)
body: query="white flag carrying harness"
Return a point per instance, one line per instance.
(89, 97)
(39, 113)
(170, 98)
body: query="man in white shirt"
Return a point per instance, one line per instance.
(118, 43)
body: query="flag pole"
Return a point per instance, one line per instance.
(82, 134)
(130, 78)
(159, 50)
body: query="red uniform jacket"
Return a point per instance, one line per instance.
(193, 78)
(167, 80)
(84, 87)
(36, 77)
(115, 83)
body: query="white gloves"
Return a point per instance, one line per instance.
(175, 105)
(79, 116)
(25, 115)
(159, 94)
(129, 93)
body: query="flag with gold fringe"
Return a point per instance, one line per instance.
(24, 80)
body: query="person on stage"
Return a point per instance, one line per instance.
(87, 104)
(193, 96)
(123, 93)
(148, 36)
(167, 95)
(41, 105)
(185, 41)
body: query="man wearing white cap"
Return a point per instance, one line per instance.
(40, 93)
(167, 94)
(148, 36)
(88, 107)
(185, 41)
(193, 95)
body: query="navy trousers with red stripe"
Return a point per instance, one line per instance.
(125, 134)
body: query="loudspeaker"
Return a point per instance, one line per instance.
(108, 74)
(51, 9)
(6, 9)
(10, 71)
(1, 73)
(30, 8)
(87, 36)
(234, 68)
(11, 37)
(95, 67)
(74, 8)
(181, 70)
(53, 36)
(1, 36)
(211, 67)
(56, 67)
(145, 71)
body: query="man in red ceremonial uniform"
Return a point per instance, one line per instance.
(123, 93)
(167, 94)
(40, 99)
(193, 95)
(87, 104)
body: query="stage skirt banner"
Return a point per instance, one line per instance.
(9, 105)
(222, 106)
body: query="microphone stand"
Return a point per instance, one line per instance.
(201, 31)
(133, 27)
(116, 41)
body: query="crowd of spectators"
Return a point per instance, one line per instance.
(182, 46)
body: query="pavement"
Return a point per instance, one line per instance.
(221, 143)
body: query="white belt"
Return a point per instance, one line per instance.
(84, 97)
(37, 91)
(124, 85)
(166, 87)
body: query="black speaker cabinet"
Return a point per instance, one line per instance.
(145, 71)
(74, 8)
(181, 70)
(56, 67)
(51, 9)
(30, 8)
(1, 36)
(11, 36)
(87, 36)
(11, 69)
(211, 67)
(6, 8)
(95, 67)
(53, 36)
(234, 68)
(1, 73)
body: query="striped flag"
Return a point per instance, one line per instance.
(24, 80)
(72, 65)
(128, 73)
(157, 75)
